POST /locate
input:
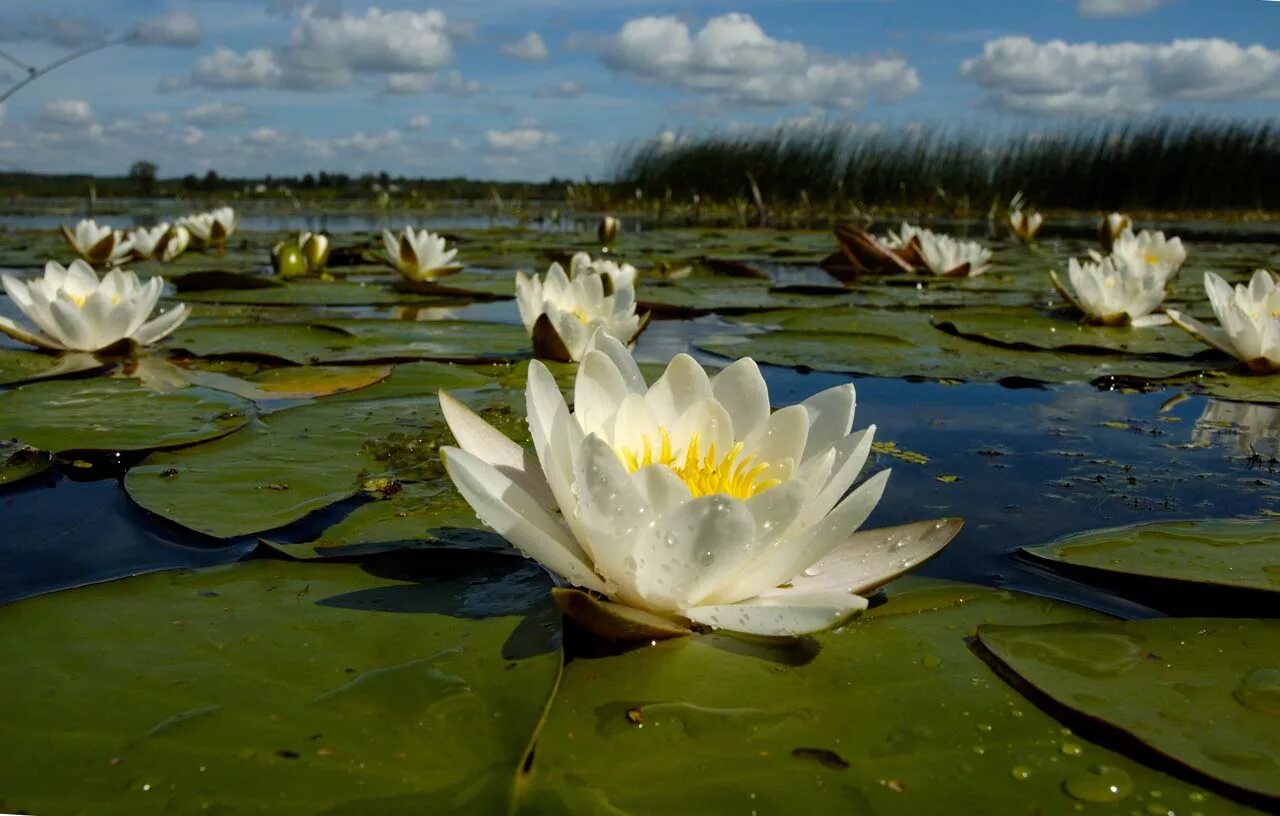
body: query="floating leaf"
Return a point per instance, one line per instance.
(1222, 552)
(1204, 692)
(293, 382)
(279, 687)
(18, 367)
(893, 714)
(117, 415)
(19, 463)
(1034, 329)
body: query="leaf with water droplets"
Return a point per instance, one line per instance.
(1204, 692)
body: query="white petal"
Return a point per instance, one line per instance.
(72, 332)
(742, 391)
(692, 550)
(486, 442)
(780, 441)
(1211, 336)
(598, 392)
(515, 515)
(798, 614)
(663, 490)
(613, 515)
(162, 326)
(626, 364)
(681, 386)
(712, 425)
(1149, 320)
(850, 456)
(830, 418)
(23, 336)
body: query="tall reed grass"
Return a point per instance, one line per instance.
(1200, 164)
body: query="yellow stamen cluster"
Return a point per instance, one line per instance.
(705, 475)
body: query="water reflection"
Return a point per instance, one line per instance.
(1249, 429)
(332, 223)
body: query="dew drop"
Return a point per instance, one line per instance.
(813, 571)
(1099, 784)
(1071, 749)
(1020, 772)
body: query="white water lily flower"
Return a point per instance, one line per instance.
(315, 249)
(212, 228)
(1113, 292)
(74, 311)
(561, 312)
(1110, 227)
(98, 244)
(952, 258)
(1151, 249)
(1250, 318)
(688, 503)
(163, 242)
(902, 238)
(1025, 225)
(419, 255)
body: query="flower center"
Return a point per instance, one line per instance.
(1152, 258)
(703, 473)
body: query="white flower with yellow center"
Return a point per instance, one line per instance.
(98, 244)
(419, 255)
(561, 312)
(952, 258)
(1112, 292)
(1025, 224)
(1151, 249)
(688, 503)
(1110, 227)
(74, 311)
(163, 242)
(902, 238)
(1250, 319)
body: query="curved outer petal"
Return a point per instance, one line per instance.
(830, 418)
(518, 518)
(23, 336)
(797, 614)
(598, 392)
(73, 332)
(1203, 333)
(488, 444)
(613, 348)
(613, 517)
(741, 389)
(528, 299)
(162, 326)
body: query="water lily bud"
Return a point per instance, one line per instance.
(315, 248)
(288, 261)
(607, 230)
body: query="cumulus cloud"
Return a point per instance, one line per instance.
(1116, 8)
(520, 139)
(568, 89)
(420, 122)
(176, 29)
(530, 47)
(320, 8)
(368, 142)
(1088, 79)
(67, 112)
(326, 52)
(732, 58)
(212, 114)
(449, 82)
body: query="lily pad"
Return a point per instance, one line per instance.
(1204, 692)
(1222, 552)
(117, 415)
(1034, 329)
(293, 382)
(19, 463)
(347, 341)
(279, 687)
(1240, 387)
(294, 462)
(893, 714)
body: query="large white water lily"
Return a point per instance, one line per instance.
(1025, 224)
(163, 242)
(1111, 291)
(1110, 227)
(74, 311)
(561, 312)
(98, 244)
(902, 238)
(1149, 248)
(212, 228)
(688, 503)
(419, 255)
(950, 257)
(1250, 319)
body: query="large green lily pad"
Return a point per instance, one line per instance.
(294, 462)
(1239, 386)
(1204, 692)
(19, 463)
(18, 367)
(892, 715)
(347, 341)
(1033, 329)
(1222, 552)
(278, 687)
(117, 415)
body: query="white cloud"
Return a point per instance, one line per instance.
(450, 82)
(326, 52)
(1116, 8)
(176, 29)
(420, 122)
(69, 112)
(568, 89)
(319, 8)
(526, 137)
(60, 31)
(215, 113)
(368, 142)
(266, 137)
(530, 47)
(733, 59)
(1089, 79)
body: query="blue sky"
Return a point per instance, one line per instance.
(510, 89)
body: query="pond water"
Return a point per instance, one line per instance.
(335, 638)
